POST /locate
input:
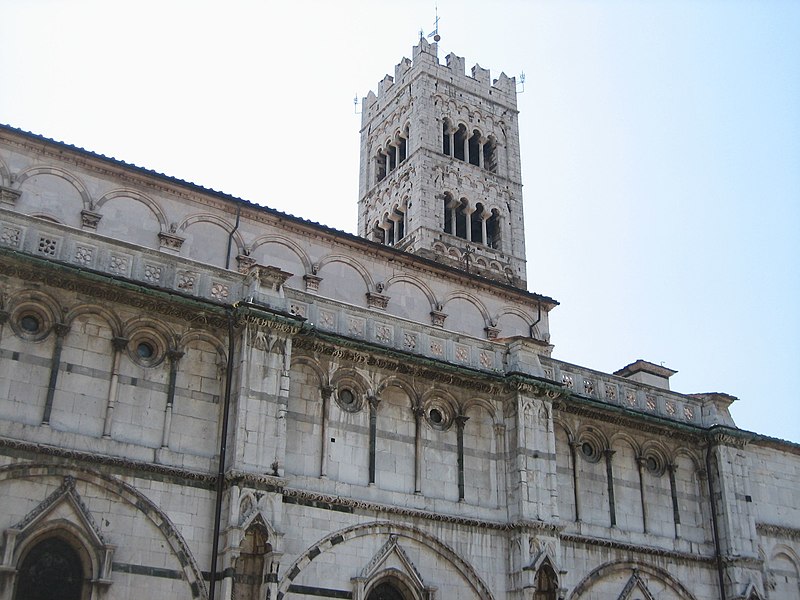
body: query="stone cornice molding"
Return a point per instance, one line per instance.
(769, 529)
(110, 290)
(196, 477)
(636, 548)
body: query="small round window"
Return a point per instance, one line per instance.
(590, 452)
(436, 416)
(439, 416)
(347, 400)
(653, 465)
(145, 350)
(30, 324)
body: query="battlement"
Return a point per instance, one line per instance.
(425, 57)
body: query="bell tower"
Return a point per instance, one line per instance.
(440, 172)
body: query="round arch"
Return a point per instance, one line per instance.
(63, 174)
(128, 494)
(287, 243)
(612, 568)
(383, 528)
(109, 317)
(139, 197)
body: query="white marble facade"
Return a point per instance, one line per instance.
(390, 419)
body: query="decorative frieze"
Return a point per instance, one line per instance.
(170, 242)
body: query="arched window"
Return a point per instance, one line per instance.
(474, 148)
(490, 154)
(459, 143)
(477, 224)
(251, 566)
(546, 583)
(461, 219)
(493, 230)
(385, 591)
(52, 570)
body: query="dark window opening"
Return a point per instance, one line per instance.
(385, 591)
(401, 224)
(476, 224)
(461, 220)
(493, 231)
(401, 150)
(474, 149)
(249, 581)
(380, 167)
(445, 139)
(30, 324)
(52, 570)
(490, 155)
(458, 142)
(392, 157)
(449, 214)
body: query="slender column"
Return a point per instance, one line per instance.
(451, 134)
(325, 393)
(418, 415)
(60, 330)
(640, 462)
(610, 476)
(373, 433)
(396, 150)
(676, 516)
(480, 154)
(173, 356)
(469, 225)
(453, 220)
(461, 420)
(118, 344)
(4, 314)
(388, 163)
(500, 453)
(484, 239)
(394, 232)
(573, 450)
(466, 148)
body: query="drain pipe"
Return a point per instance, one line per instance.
(223, 446)
(230, 236)
(715, 525)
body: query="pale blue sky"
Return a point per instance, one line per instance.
(660, 147)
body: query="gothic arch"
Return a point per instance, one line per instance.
(139, 197)
(386, 528)
(614, 567)
(57, 172)
(127, 493)
(287, 243)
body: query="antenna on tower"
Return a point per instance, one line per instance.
(522, 82)
(355, 105)
(435, 33)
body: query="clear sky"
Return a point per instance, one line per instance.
(660, 147)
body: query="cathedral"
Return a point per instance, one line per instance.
(205, 398)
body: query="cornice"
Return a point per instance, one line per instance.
(111, 289)
(782, 531)
(635, 548)
(194, 478)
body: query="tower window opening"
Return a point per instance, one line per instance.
(390, 232)
(474, 149)
(449, 211)
(461, 220)
(477, 225)
(447, 147)
(400, 223)
(379, 235)
(401, 149)
(493, 230)
(459, 143)
(380, 166)
(392, 163)
(490, 155)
